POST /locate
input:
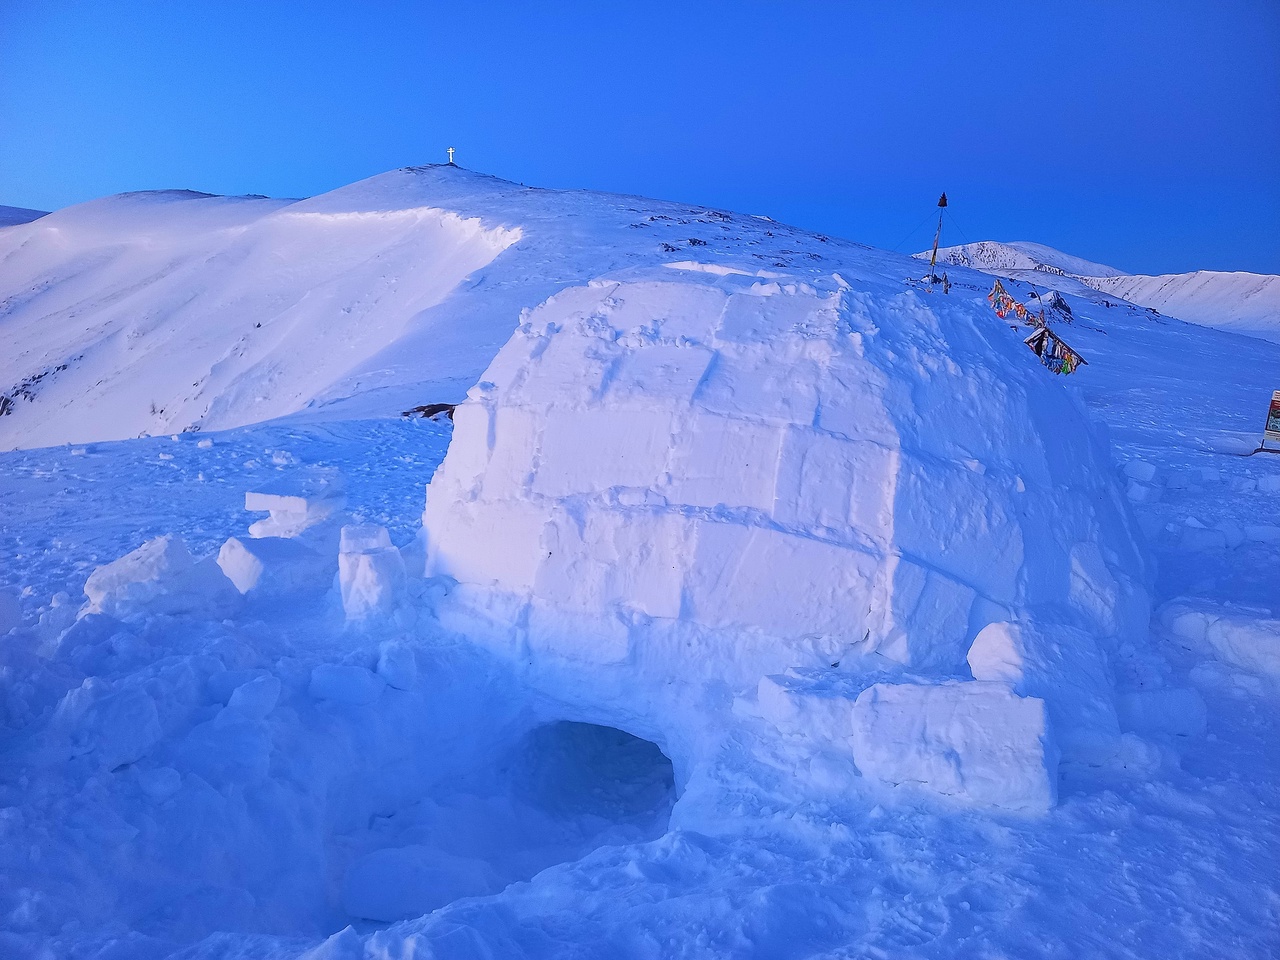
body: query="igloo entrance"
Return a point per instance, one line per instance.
(555, 794)
(570, 769)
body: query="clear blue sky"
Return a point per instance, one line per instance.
(1141, 134)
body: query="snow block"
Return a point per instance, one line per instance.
(1246, 638)
(370, 572)
(1062, 666)
(294, 508)
(971, 742)
(345, 684)
(161, 577)
(275, 567)
(816, 708)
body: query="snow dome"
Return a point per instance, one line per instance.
(695, 490)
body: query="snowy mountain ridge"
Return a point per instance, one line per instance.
(1247, 303)
(170, 311)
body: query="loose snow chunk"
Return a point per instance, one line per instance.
(1262, 533)
(160, 577)
(345, 684)
(1138, 492)
(976, 743)
(274, 566)
(370, 572)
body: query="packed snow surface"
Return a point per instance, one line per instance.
(763, 605)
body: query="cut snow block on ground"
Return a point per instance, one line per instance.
(294, 509)
(161, 576)
(972, 742)
(661, 485)
(370, 572)
(1245, 638)
(1064, 667)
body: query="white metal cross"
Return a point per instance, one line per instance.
(451, 154)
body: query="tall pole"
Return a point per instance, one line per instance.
(933, 260)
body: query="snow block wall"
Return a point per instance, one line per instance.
(686, 481)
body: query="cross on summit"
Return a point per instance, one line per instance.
(451, 156)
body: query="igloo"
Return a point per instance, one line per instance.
(671, 486)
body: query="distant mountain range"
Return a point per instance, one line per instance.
(1247, 303)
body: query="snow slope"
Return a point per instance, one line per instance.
(10, 216)
(1247, 303)
(1242, 302)
(161, 312)
(754, 600)
(170, 310)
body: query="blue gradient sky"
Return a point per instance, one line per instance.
(1141, 134)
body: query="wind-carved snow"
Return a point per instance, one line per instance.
(665, 487)
(171, 311)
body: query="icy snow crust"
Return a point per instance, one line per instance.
(763, 605)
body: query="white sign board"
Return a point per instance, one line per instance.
(1272, 430)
